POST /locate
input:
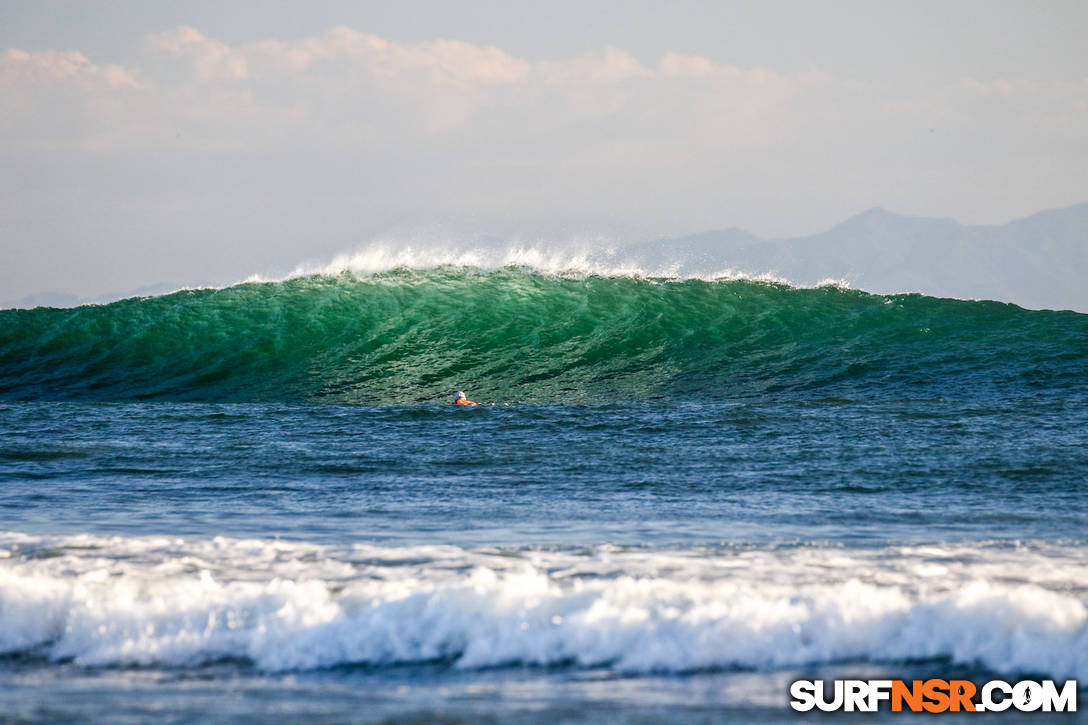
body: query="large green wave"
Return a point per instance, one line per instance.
(516, 335)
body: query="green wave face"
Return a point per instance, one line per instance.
(514, 335)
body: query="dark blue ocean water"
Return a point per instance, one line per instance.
(613, 562)
(755, 472)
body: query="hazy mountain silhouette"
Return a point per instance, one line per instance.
(1037, 262)
(63, 299)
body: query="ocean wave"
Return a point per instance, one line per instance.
(102, 601)
(518, 334)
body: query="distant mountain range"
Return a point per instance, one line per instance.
(1038, 262)
(63, 299)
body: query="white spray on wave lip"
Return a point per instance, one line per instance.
(575, 257)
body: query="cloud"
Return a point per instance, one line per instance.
(211, 59)
(1045, 109)
(21, 68)
(352, 85)
(344, 51)
(346, 87)
(612, 66)
(1023, 87)
(689, 67)
(62, 99)
(403, 130)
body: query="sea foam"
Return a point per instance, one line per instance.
(573, 258)
(294, 606)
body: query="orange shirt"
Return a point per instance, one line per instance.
(462, 401)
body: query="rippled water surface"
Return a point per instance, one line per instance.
(564, 562)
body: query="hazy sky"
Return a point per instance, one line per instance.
(197, 142)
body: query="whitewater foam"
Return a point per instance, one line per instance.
(573, 259)
(294, 605)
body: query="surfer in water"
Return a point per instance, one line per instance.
(462, 400)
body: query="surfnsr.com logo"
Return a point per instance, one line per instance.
(933, 695)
